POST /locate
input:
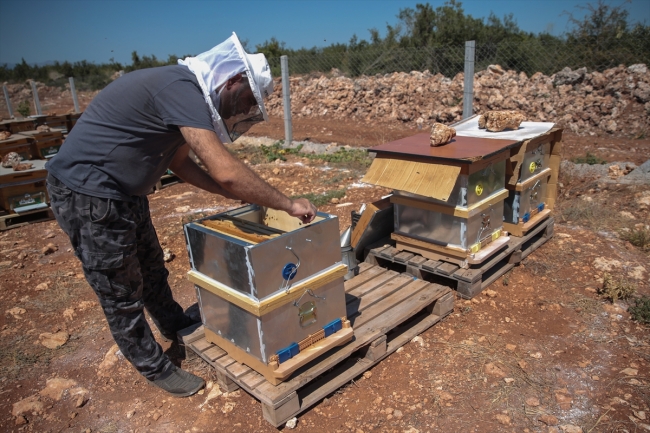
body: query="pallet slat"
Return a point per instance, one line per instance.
(11, 221)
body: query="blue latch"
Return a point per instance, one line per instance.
(526, 217)
(288, 352)
(289, 271)
(540, 207)
(332, 327)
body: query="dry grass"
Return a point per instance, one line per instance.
(589, 214)
(200, 367)
(640, 238)
(614, 289)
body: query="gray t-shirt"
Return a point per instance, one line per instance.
(127, 137)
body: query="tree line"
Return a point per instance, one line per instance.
(423, 38)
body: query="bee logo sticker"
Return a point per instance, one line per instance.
(479, 189)
(533, 167)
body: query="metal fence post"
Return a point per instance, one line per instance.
(37, 103)
(286, 99)
(468, 85)
(73, 91)
(8, 100)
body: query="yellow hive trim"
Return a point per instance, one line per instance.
(425, 179)
(485, 242)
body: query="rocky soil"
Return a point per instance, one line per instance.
(541, 350)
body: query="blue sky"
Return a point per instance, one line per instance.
(98, 30)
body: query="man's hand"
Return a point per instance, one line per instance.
(303, 209)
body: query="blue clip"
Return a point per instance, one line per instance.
(288, 352)
(289, 271)
(332, 327)
(540, 207)
(526, 217)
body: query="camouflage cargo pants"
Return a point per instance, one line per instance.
(123, 263)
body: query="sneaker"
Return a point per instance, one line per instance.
(178, 382)
(189, 321)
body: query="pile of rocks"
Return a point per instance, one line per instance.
(616, 101)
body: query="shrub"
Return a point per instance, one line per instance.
(640, 310)
(638, 237)
(589, 158)
(24, 109)
(276, 151)
(616, 289)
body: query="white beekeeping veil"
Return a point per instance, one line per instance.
(215, 67)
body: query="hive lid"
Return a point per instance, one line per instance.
(463, 150)
(8, 177)
(411, 164)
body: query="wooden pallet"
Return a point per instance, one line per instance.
(13, 220)
(468, 282)
(167, 180)
(386, 309)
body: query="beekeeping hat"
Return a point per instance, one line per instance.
(215, 67)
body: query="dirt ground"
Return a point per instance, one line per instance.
(540, 351)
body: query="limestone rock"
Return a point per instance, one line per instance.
(563, 400)
(110, 359)
(441, 134)
(567, 76)
(43, 128)
(16, 312)
(23, 166)
(53, 340)
(548, 419)
(55, 388)
(49, 249)
(27, 405)
(532, 401)
(496, 121)
(168, 255)
(570, 428)
(493, 370)
(4, 135)
(11, 159)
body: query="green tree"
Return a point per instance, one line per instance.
(601, 38)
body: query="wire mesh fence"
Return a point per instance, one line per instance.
(529, 56)
(546, 55)
(444, 60)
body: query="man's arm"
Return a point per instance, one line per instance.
(184, 167)
(237, 179)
